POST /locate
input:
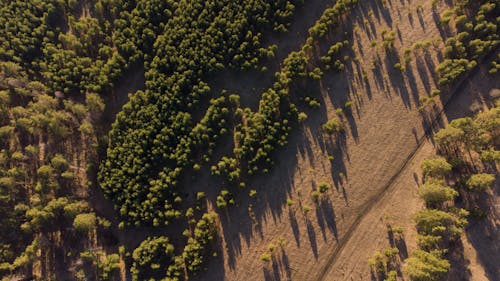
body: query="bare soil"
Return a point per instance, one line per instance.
(381, 132)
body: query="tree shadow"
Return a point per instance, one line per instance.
(459, 269)
(311, 234)
(279, 269)
(295, 226)
(326, 217)
(482, 232)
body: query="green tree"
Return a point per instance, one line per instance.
(480, 182)
(437, 167)
(440, 223)
(151, 259)
(426, 266)
(85, 222)
(434, 193)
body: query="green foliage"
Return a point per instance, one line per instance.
(224, 198)
(252, 193)
(323, 187)
(434, 193)
(332, 126)
(330, 18)
(429, 242)
(94, 103)
(151, 259)
(302, 117)
(480, 182)
(265, 257)
(437, 167)
(28, 256)
(490, 156)
(476, 36)
(109, 266)
(449, 136)
(71, 210)
(59, 163)
(378, 262)
(426, 266)
(440, 223)
(85, 222)
(195, 251)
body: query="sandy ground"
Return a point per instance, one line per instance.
(381, 133)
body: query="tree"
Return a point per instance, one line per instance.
(489, 120)
(436, 222)
(480, 182)
(152, 258)
(59, 163)
(471, 137)
(437, 167)
(434, 193)
(449, 136)
(426, 266)
(94, 103)
(85, 222)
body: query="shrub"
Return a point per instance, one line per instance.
(265, 257)
(332, 126)
(252, 193)
(323, 187)
(302, 117)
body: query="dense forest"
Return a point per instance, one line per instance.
(60, 62)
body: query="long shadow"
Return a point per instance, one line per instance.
(286, 266)
(421, 67)
(421, 20)
(295, 226)
(327, 212)
(279, 269)
(312, 237)
(459, 270)
(483, 233)
(398, 81)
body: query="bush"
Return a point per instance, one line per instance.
(323, 187)
(332, 126)
(302, 117)
(265, 257)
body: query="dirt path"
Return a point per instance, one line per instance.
(396, 204)
(384, 128)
